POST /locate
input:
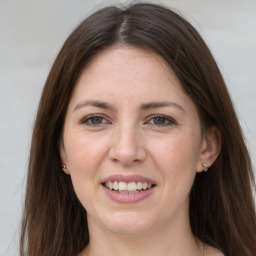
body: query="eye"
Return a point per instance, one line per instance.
(161, 120)
(94, 120)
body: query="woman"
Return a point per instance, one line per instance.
(133, 114)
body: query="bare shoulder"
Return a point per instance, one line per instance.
(211, 251)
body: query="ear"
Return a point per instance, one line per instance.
(64, 161)
(210, 148)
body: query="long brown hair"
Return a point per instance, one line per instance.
(222, 210)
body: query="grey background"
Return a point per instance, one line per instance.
(31, 33)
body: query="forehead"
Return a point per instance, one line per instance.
(123, 68)
(126, 59)
(127, 78)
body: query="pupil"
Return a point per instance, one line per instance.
(159, 120)
(97, 120)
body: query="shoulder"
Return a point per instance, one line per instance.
(211, 251)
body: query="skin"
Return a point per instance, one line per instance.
(128, 139)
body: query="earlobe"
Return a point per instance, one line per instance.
(63, 157)
(65, 169)
(210, 149)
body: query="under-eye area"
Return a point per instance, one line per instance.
(128, 187)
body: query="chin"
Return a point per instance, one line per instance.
(124, 223)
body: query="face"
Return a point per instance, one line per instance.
(132, 142)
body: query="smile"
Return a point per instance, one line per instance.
(128, 187)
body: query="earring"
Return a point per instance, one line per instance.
(64, 166)
(205, 166)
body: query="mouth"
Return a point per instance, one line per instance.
(132, 187)
(128, 188)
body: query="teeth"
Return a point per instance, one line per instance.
(139, 185)
(115, 185)
(130, 187)
(110, 185)
(144, 185)
(122, 185)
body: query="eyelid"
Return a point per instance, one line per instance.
(170, 120)
(167, 118)
(91, 116)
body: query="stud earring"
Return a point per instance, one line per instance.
(64, 166)
(205, 166)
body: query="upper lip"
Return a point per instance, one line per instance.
(128, 178)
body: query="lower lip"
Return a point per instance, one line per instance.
(129, 197)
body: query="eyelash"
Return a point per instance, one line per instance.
(167, 121)
(88, 120)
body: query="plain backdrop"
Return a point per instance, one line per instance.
(32, 32)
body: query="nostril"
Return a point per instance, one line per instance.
(127, 154)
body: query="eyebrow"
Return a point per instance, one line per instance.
(144, 106)
(94, 103)
(160, 104)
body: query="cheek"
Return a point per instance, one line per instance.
(82, 151)
(176, 160)
(84, 156)
(179, 152)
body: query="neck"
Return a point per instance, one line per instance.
(171, 240)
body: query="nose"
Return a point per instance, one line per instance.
(127, 146)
